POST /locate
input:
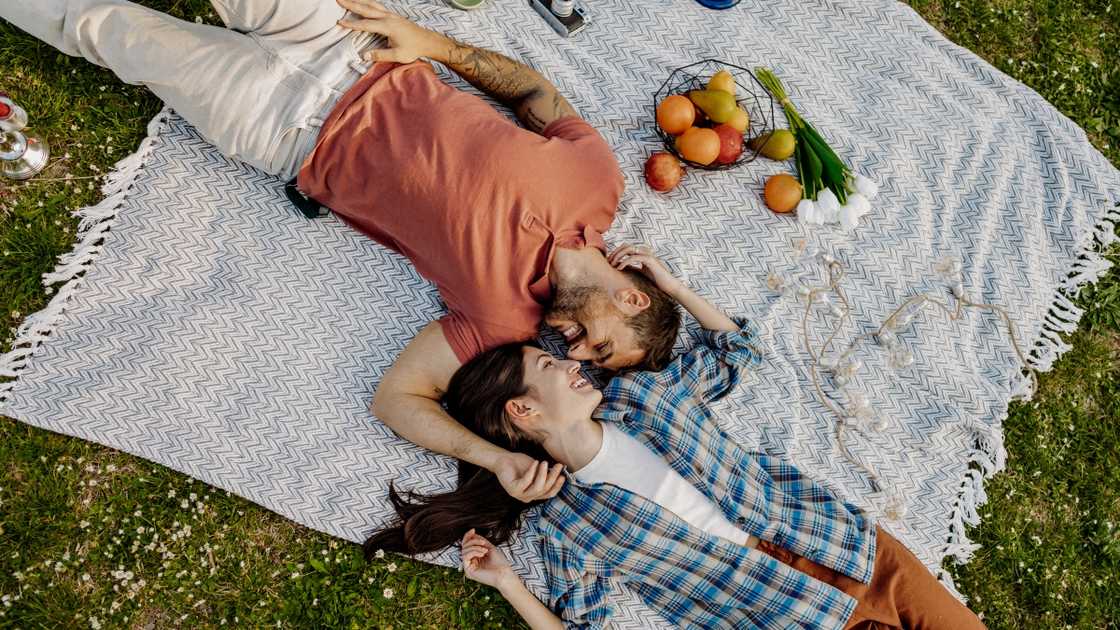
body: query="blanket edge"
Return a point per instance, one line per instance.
(95, 223)
(989, 455)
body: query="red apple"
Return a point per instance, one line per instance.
(663, 171)
(730, 143)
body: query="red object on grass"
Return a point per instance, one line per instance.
(5, 110)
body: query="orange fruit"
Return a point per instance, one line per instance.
(675, 114)
(782, 192)
(699, 144)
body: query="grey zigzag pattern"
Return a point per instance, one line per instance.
(224, 336)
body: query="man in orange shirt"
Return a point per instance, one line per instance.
(506, 221)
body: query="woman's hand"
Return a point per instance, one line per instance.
(641, 258)
(407, 40)
(484, 563)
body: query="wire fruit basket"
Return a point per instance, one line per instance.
(749, 94)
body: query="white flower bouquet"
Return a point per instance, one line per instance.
(831, 193)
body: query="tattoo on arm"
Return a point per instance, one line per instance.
(499, 76)
(533, 98)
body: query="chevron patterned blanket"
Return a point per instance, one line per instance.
(216, 331)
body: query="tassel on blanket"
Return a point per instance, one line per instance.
(95, 221)
(1063, 315)
(988, 457)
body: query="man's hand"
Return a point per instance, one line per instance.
(641, 258)
(407, 40)
(534, 100)
(527, 479)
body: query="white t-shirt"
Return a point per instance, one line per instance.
(631, 465)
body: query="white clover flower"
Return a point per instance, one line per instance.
(379, 554)
(388, 593)
(866, 187)
(392, 567)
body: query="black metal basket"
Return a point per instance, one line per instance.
(750, 94)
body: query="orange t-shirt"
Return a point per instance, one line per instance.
(475, 201)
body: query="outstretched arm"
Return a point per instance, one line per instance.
(727, 347)
(534, 99)
(407, 400)
(641, 257)
(486, 564)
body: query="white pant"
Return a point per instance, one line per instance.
(258, 91)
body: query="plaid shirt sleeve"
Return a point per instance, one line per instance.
(716, 365)
(807, 490)
(578, 596)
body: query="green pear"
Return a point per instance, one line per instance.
(776, 145)
(718, 105)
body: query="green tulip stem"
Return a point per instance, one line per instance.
(818, 166)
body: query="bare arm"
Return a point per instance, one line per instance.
(534, 99)
(536, 615)
(641, 257)
(407, 401)
(486, 564)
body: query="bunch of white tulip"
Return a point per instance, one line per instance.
(831, 193)
(828, 209)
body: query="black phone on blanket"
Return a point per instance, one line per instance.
(565, 25)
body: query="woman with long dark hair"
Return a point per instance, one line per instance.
(659, 500)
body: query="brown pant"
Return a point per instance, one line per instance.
(902, 593)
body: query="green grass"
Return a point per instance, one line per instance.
(79, 523)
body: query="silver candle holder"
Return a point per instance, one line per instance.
(21, 156)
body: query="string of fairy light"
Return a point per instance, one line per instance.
(855, 410)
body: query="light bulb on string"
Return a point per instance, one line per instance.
(900, 358)
(948, 268)
(851, 407)
(896, 507)
(886, 338)
(777, 282)
(858, 407)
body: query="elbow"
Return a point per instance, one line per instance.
(379, 404)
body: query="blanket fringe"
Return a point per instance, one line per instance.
(989, 456)
(95, 222)
(1063, 315)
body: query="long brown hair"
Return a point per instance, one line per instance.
(476, 397)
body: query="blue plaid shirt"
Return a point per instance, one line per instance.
(598, 536)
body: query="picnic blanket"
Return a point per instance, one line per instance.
(203, 324)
